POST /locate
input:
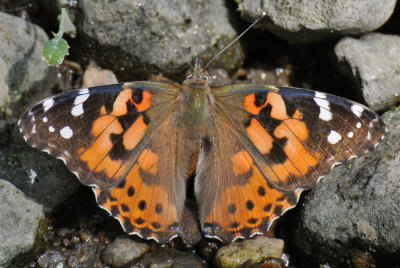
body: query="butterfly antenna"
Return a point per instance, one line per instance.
(234, 40)
(141, 7)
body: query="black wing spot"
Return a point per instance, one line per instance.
(156, 225)
(281, 198)
(261, 191)
(249, 205)
(128, 119)
(131, 191)
(260, 98)
(252, 221)
(159, 208)
(127, 223)
(142, 205)
(278, 210)
(121, 185)
(267, 208)
(104, 196)
(139, 221)
(276, 155)
(231, 208)
(114, 210)
(137, 95)
(124, 208)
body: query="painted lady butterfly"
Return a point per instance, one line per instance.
(256, 148)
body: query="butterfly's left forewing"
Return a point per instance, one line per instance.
(281, 141)
(93, 129)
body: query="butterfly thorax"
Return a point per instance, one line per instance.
(197, 95)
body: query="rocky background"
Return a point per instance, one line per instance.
(347, 48)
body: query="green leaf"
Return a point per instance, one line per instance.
(55, 50)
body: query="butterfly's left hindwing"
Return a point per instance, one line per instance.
(266, 145)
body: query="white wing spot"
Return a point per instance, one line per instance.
(66, 132)
(358, 125)
(325, 115)
(357, 109)
(83, 91)
(368, 135)
(322, 103)
(81, 99)
(334, 137)
(47, 104)
(45, 119)
(77, 110)
(324, 109)
(350, 134)
(51, 129)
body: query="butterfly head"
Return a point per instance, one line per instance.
(196, 76)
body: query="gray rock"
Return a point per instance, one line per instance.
(355, 207)
(4, 97)
(253, 250)
(19, 222)
(123, 251)
(22, 68)
(313, 20)
(119, 36)
(40, 176)
(373, 64)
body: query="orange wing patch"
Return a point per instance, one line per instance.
(96, 155)
(134, 134)
(299, 159)
(143, 208)
(287, 159)
(107, 130)
(120, 103)
(259, 136)
(254, 104)
(142, 99)
(247, 209)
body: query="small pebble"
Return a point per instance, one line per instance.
(123, 251)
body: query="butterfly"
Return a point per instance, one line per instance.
(255, 148)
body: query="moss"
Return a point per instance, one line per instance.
(41, 241)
